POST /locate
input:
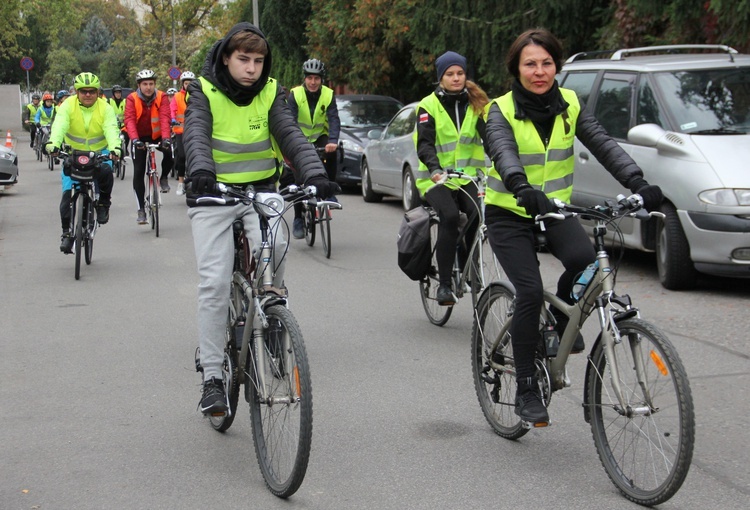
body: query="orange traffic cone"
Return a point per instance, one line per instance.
(8, 139)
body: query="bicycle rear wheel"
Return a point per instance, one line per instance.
(309, 225)
(230, 372)
(495, 387)
(325, 230)
(80, 213)
(646, 449)
(282, 423)
(428, 286)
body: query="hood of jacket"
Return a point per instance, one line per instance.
(215, 71)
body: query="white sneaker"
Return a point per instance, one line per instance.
(180, 189)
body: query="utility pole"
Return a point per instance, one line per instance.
(255, 14)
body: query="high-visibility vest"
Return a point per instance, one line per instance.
(79, 136)
(317, 126)
(119, 108)
(180, 112)
(45, 119)
(549, 168)
(32, 110)
(155, 123)
(455, 150)
(241, 144)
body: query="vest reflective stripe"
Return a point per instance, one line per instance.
(155, 124)
(179, 112)
(242, 155)
(317, 126)
(549, 169)
(459, 151)
(86, 138)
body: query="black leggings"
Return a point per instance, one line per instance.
(139, 169)
(179, 155)
(513, 241)
(448, 203)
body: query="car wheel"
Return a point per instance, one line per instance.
(676, 270)
(367, 193)
(409, 192)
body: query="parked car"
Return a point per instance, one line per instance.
(685, 119)
(390, 161)
(8, 166)
(360, 114)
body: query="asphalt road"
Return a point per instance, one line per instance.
(98, 403)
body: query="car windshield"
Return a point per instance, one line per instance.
(708, 101)
(366, 114)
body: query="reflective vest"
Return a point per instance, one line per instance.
(180, 112)
(241, 144)
(456, 151)
(44, 118)
(317, 126)
(32, 110)
(549, 168)
(119, 109)
(155, 124)
(86, 138)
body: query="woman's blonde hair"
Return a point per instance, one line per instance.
(478, 98)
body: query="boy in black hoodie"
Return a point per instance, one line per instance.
(234, 114)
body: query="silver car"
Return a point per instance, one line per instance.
(8, 166)
(685, 119)
(390, 160)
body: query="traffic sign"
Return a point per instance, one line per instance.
(174, 72)
(27, 63)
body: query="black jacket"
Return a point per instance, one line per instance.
(281, 124)
(502, 148)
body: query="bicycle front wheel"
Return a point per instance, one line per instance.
(123, 165)
(309, 225)
(495, 383)
(155, 205)
(88, 238)
(80, 214)
(325, 230)
(281, 403)
(646, 448)
(428, 286)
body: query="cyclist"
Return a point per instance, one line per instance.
(529, 137)
(449, 136)
(234, 90)
(314, 106)
(61, 96)
(28, 115)
(85, 122)
(147, 118)
(178, 120)
(46, 112)
(118, 103)
(171, 91)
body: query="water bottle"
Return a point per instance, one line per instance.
(583, 281)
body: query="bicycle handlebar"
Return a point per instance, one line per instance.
(227, 195)
(625, 206)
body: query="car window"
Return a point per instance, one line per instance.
(649, 111)
(364, 114)
(581, 83)
(613, 104)
(402, 124)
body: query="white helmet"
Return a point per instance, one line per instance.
(187, 75)
(145, 74)
(314, 66)
(171, 91)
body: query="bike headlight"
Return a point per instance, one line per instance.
(269, 205)
(348, 145)
(725, 196)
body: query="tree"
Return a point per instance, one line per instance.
(12, 28)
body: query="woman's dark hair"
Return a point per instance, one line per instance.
(539, 36)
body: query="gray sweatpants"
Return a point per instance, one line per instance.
(214, 254)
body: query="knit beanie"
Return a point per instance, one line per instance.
(447, 59)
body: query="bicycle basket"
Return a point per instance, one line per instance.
(82, 165)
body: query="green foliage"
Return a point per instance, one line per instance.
(62, 68)
(98, 38)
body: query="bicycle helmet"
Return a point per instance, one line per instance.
(116, 88)
(36, 96)
(171, 91)
(47, 96)
(61, 94)
(87, 81)
(145, 74)
(187, 75)
(314, 66)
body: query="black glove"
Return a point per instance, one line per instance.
(138, 144)
(325, 188)
(166, 144)
(115, 153)
(202, 182)
(534, 201)
(651, 194)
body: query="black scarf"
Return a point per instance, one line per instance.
(240, 94)
(539, 108)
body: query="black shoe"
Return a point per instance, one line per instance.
(102, 214)
(214, 399)
(529, 406)
(445, 296)
(298, 228)
(66, 242)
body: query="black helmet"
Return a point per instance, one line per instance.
(116, 88)
(36, 96)
(314, 66)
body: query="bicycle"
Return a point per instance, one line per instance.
(265, 350)
(83, 167)
(152, 199)
(120, 165)
(39, 141)
(480, 268)
(636, 395)
(318, 212)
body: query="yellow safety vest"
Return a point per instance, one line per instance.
(455, 150)
(119, 109)
(317, 126)
(86, 138)
(241, 144)
(550, 168)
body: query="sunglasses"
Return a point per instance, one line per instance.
(88, 92)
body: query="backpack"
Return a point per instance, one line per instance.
(413, 243)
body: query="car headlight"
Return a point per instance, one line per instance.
(7, 155)
(725, 196)
(348, 145)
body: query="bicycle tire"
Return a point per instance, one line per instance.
(123, 165)
(309, 217)
(647, 457)
(80, 213)
(50, 163)
(155, 204)
(282, 433)
(495, 390)
(325, 231)
(230, 372)
(88, 239)
(428, 286)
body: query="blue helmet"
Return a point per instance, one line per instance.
(61, 94)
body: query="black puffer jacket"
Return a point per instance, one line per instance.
(281, 124)
(502, 148)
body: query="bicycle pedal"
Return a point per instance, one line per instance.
(219, 415)
(535, 425)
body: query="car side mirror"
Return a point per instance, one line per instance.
(647, 135)
(374, 134)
